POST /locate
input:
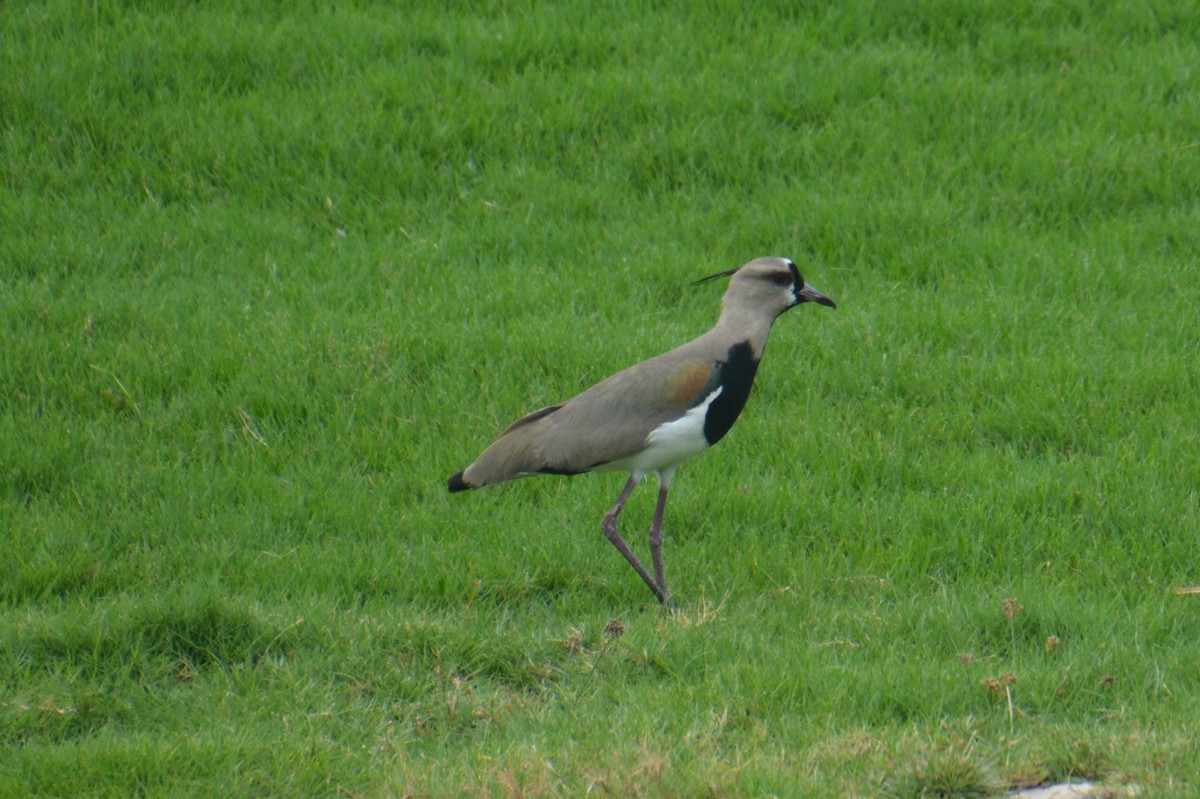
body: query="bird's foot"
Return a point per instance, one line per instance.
(664, 599)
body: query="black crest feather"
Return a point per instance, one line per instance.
(717, 276)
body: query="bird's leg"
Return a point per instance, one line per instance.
(655, 539)
(609, 526)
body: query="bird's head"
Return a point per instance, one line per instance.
(768, 284)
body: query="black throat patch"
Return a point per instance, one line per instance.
(736, 377)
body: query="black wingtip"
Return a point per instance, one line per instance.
(457, 483)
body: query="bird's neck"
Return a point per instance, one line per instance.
(739, 327)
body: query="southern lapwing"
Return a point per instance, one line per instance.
(653, 416)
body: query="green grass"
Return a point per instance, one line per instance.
(269, 275)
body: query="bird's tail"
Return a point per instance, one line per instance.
(509, 457)
(457, 483)
(506, 459)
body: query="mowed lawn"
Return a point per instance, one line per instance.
(268, 275)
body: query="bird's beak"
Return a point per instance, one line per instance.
(810, 294)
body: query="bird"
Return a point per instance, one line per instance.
(655, 414)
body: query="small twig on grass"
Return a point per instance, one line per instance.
(250, 429)
(1008, 696)
(281, 633)
(839, 642)
(120, 385)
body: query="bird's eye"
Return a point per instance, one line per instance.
(781, 279)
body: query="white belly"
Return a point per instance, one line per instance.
(669, 445)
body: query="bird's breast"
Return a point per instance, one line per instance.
(735, 378)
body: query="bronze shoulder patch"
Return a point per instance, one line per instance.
(688, 381)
